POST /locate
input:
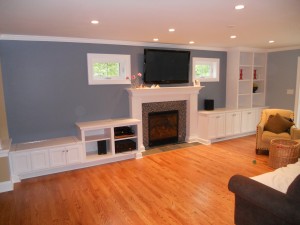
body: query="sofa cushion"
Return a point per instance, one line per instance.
(281, 178)
(278, 124)
(293, 190)
(267, 136)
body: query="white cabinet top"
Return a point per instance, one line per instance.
(225, 110)
(45, 143)
(106, 123)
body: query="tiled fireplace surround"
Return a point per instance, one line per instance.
(164, 99)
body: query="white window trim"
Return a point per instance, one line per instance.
(216, 68)
(125, 68)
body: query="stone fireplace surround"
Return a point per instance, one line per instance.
(189, 94)
(161, 107)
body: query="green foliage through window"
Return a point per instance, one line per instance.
(203, 70)
(106, 70)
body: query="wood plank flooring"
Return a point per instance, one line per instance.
(184, 186)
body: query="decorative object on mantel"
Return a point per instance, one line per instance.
(241, 74)
(136, 81)
(254, 75)
(197, 83)
(155, 86)
(255, 87)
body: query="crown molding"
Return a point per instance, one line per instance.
(284, 49)
(12, 37)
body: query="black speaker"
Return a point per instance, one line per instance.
(102, 148)
(209, 104)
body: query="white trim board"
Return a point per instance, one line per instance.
(11, 37)
(6, 186)
(297, 97)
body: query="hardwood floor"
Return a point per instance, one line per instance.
(185, 186)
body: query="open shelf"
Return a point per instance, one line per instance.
(124, 137)
(97, 138)
(110, 138)
(246, 69)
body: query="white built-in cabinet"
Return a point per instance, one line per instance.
(222, 124)
(246, 69)
(233, 123)
(60, 154)
(214, 124)
(90, 133)
(41, 157)
(249, 120)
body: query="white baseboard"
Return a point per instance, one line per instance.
(6, 186)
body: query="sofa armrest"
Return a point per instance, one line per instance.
(266, 198)
(295, 133)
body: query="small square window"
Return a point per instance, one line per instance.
(108, 68)
(206, 69)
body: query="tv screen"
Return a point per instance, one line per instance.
(166, 66)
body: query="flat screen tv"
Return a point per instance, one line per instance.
(166, 66)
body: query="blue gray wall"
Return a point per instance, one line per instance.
(281, 75)
(47, 92)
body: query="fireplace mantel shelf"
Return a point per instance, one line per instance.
(164, 90)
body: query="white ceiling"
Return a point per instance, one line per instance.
(208, 23)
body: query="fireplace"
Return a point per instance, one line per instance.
(161, 97)
(153, 108)
(163, 127)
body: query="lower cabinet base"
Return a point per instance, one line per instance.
(210, 141)
(6, 186)
(84, 164)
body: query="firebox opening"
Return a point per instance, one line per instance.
(163, 127)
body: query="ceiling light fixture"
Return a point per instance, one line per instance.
(192, 42)
(238, 7)
(171, 30)
(94, 22)
(233, 36)
(271, 41)
(155, 39)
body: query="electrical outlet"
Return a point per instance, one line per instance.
(290, 91)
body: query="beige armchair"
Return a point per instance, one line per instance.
(263, 136)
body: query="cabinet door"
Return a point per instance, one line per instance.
(57, 157)
(39, 159)
(233, 123)
(21, 162)
(216, 126)
(249, 121)
(73, 154)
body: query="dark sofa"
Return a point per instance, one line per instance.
(256, 203)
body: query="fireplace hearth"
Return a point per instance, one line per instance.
(163, 127)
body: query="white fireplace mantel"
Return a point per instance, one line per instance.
(189, 94)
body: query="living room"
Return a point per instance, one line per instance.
(46, 91)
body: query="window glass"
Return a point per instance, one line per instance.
(206, 69)
(108, 68)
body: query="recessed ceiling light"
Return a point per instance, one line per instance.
(231, 26)
(233, 36)
(171, 30)
(155, 39)
(94, 22)
(271, 41)
(238, 7)
(192, 42)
